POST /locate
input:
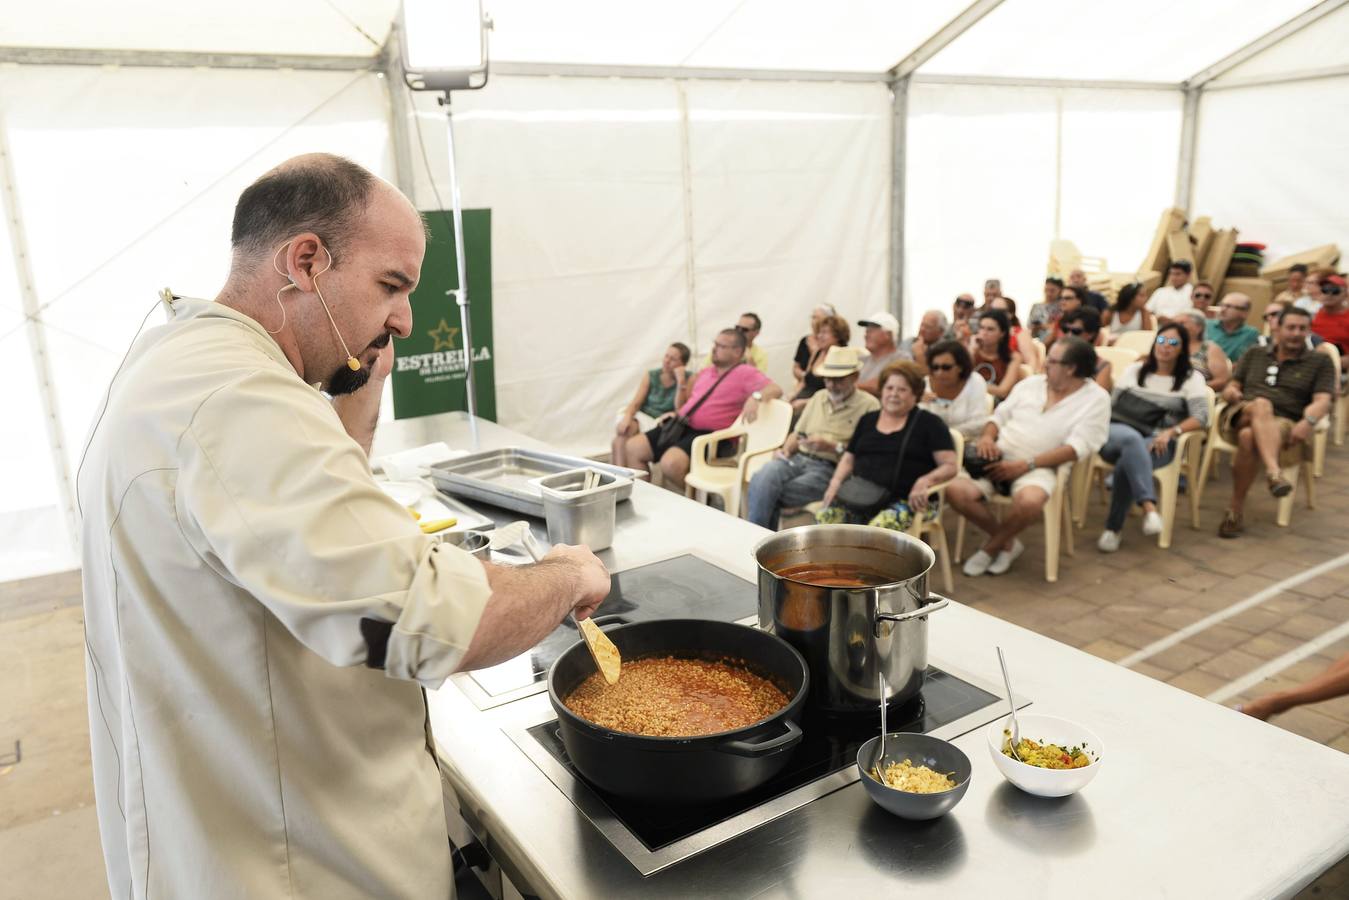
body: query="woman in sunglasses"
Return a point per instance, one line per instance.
(954, 392)
(1156, 401)
(1206, 357)
(992, 354)
(1129, 312)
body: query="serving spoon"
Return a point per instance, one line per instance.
(602, 650)
(1016, 729)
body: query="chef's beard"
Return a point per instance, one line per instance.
(345, 381)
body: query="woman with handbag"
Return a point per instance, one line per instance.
(1156, 401)
(895, 456)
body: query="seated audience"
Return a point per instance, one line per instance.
(1085, 324)
(833, 332)
(896, 456)
(882, 330)
(1276, 397)
(1059, 417)
(748, 325)
(1296, 292)
(1129, 312)
(1332, 322)
(992, 291)
(1313, 287)
(954, 392)
(1201, 297)
(1173, 298)
(1044, 315)
(1230, 331)
(662, 391)
(962, 315)
(1271, 318)
(930, 330)
(806, 348)
(1156, 400)
(1008, 305)
(720, 393)
(801, 469)
(1078, 279)
(1206, 357)
(992, 354)
(1332, 683)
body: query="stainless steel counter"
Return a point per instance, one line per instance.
(1194, 800)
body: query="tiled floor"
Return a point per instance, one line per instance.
(1108, 605)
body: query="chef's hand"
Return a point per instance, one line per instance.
(590, 577)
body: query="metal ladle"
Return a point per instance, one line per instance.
(1011, 702)
(602, 650)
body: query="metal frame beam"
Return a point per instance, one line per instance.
(899, 92)
(177, 59)
(1263, 43)
(1006, 81)
(576, 70)
(1279, 78)
(1189, 137)
(400, 107)
(953, 29)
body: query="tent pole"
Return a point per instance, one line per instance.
(686, 183)
(899, 93)
(399, 107)
(1189, 135)
(37, 339)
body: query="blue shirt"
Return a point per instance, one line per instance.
(1234, 344)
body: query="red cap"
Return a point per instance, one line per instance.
(1335, 279)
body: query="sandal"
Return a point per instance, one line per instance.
(1279, 486)
(1231, 525)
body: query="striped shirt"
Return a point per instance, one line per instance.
(1295, 379)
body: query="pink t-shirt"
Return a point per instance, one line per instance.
(722, 408)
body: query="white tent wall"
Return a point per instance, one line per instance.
(126, 181)
(629, 213)
(1271, 162)
(995, 173)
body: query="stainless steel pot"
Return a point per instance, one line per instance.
(851, 636)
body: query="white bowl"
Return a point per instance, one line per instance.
(1046, 782)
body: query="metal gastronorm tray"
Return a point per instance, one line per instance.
(501, 477)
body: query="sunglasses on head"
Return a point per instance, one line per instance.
(942, 367)
(1168, 341)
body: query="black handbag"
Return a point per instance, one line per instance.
(973, 463)
(673, 429)
(864, 495)
(1138, 412)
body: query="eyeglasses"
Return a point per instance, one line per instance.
(1055, 362)
(964, 304)
(1199, 296)
(1272, 314)
(943, 367)
(1077, 331)
(720, 346)
(1272, 376)
(1332, 289)
(1242, 307)
(1168, 341)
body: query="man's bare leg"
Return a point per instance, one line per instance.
(965, 498)
(1028, 505)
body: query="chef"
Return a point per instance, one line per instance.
(260, 617)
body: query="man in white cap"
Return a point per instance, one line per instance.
(801, 469)
(880, 341)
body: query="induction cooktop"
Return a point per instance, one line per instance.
(654, 836)
(681, 587)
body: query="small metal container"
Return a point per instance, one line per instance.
(855, 639)
(580, 515)
(474, 543)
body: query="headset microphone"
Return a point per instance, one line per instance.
(352, 363)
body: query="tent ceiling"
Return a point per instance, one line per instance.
(1081, 40)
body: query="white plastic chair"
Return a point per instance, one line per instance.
(1187, 460)
(1120, 358)
(1305, 468)
(1339, 406)
(1058, 522)
(1140, 342)
(725, 477)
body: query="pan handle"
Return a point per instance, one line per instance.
(764, 748)
(934, 602)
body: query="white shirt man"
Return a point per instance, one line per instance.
(1173, 298)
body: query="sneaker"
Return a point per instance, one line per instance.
(1006, 558)
(1152, 523)
(1108, 541)
(1231, 525)
(977, 564)
(1280, 486)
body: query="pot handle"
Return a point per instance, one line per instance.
(920, 612)
(763, 748)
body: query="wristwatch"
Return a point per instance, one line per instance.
(1312, 420)
(1030, 465)
(840, 447)
(757, 395)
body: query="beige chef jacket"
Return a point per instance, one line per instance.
(241, 572)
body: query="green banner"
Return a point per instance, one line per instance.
(428, 374)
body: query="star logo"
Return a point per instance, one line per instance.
(443, 335)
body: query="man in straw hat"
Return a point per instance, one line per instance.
(800, 470)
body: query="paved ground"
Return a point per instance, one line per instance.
(1111, 606)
